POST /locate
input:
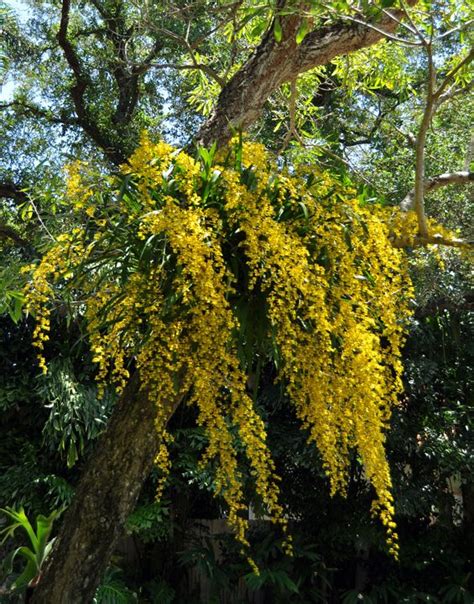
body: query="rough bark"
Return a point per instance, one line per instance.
(9, 233)
(11, 190)
(107, 493)
(468, 521)
(274, 63)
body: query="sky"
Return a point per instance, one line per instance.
(22, 11)
(20, 8)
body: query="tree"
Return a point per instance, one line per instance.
(292, 43)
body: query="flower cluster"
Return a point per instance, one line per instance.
(178, 247)
(57, 264)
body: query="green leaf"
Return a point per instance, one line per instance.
(254, 581)
(44, 525)
(277, 30)
(15, 308)
(204, 155)
(126, 194)
(303, 29)
(207, 155)
(30, 571)
(284, 580)
(19, 519)
(305, 209)
(71, 454)
(26, 211)
(114, 593)
(258, 29)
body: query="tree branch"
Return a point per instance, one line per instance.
(450, 77)
(436, 239)
(125, 73)
(325, 43)
(376, 28)
(292, 129)
(436, 182)
(82, 81)
(419, 190)
(8, 232)
(11, 190)
(435, 96)
(455, 92)
(196, 66)
(429, 185)
(273, 63)
(29, 109)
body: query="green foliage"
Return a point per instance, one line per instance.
(437, 428)
(11, 283)
(40, 545)
(11, 302)
(76, 416)
(302, 577)
(150, 522)
(202, 555)
(43, 419)
(457, 592)
(9, 37)
(113, 589)
(158, 591)
(12, 392)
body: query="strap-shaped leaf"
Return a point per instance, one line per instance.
(19, 519)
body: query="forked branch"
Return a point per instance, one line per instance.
(435, 96)
(436, 182)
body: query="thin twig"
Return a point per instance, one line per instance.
(454, 30)
(195, 66)
(452, 74)
(399, 21)
(292, 130)
(40, 112)
(417, 30)
(382, 32)
(38, 215)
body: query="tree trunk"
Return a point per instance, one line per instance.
(467, 490)
(106, 495)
